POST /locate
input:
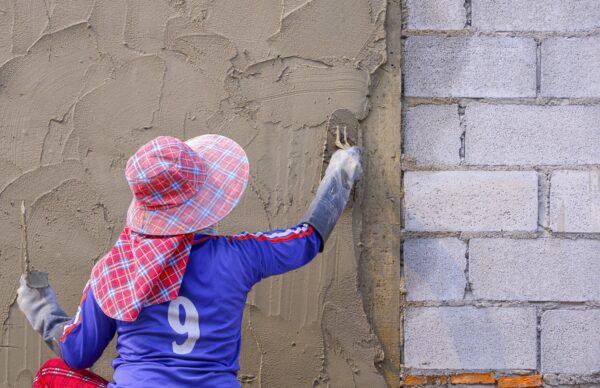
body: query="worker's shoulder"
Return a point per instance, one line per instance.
(207, 241)
(274, 236)
(256, 238)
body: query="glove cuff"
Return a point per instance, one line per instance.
(330, 200)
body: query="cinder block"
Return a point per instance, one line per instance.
(535, 270)
(575, 201)
(470, 67)
(570, 67)
(534, 135)
(552, 385)
(436, 14)
(535, 15)
(470, 338)
(432, 134)
(571, 341)
(471, 386)
(471, 201)
(434, 269)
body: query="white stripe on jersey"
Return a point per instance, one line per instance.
(278, 234)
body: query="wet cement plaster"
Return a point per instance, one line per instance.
(83, 84)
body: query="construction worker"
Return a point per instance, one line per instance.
(172, 289)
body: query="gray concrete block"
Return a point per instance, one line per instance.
(432, 134)
(471, 386)
(535, 15)
(575, 201)
(552, 385)
(436, 14)
(470, 338)
(434, 269)
(570, 67)
(534, 135)
(470, 67)
(571, 341)
(535, 270)
(471, 201)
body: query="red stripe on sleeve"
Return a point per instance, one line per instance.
(77, 321)
(292, 236)
(203, 240)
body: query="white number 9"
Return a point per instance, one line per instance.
(190, 325)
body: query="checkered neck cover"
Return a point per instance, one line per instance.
(139, 271)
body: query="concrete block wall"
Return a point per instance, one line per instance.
(501, 180)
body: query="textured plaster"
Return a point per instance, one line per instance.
(83, 84)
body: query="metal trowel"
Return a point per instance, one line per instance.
(343, 131)
(34, 279)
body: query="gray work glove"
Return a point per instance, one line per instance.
(41, 309)
(334, 191)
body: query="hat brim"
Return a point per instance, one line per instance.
(226, 178)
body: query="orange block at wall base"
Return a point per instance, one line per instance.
(520, 381)
(473, 378)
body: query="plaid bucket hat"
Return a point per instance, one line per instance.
(178, 188)
(182, 187)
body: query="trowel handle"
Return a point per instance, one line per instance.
(24, 254)
(34, 279)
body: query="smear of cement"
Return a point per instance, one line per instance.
(83, 84)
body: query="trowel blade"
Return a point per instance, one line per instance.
(341, 118)
(37, 279)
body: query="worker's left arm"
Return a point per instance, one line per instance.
(79, 340)
(284, 250)
(276, 252)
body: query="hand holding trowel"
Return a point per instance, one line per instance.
(37, 300)
(343, 133)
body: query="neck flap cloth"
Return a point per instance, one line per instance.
(140, 271)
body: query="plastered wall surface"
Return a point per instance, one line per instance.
(501, 253)
(84, 84)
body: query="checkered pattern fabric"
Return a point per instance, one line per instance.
(182, 187)
(139, 271)
(56, 374)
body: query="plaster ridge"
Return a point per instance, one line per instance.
(62, 31)
(285, 16)
(67, 165)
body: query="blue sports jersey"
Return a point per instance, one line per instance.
(193, 341)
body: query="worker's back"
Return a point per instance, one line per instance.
(195, 339)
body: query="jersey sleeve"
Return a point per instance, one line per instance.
(281, 250)
(87, 335)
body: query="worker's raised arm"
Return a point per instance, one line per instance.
(285, 250)
(275, 252)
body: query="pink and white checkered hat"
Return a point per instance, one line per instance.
(180, 188)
